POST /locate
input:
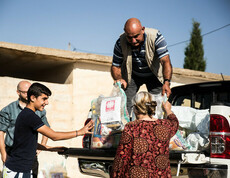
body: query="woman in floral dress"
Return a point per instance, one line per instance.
(144, 145)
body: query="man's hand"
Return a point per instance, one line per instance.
(117, 77)
(49, 148)
(37, 152)
(4, 157)
(57, 149)
(166, 89)
(2, 147)
(43, 142)
(123, 83)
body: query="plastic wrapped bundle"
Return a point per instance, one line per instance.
(110, 115)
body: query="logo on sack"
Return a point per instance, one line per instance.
(110, 106)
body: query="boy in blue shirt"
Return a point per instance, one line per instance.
(27, 126)
(8, 116)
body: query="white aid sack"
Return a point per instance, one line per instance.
(196, 121)
(192, 119)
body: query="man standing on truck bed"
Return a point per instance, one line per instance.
(139, 55)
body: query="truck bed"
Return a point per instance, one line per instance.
(98, 162)
(110, 153)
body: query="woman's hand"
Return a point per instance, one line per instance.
(167, 107)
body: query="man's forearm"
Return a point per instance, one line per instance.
(116, 73)
(167, 67)
(167, 72)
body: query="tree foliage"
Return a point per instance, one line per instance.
(194, 52)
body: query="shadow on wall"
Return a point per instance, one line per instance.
(19, 64)
(61, 74)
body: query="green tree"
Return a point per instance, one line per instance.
(194, 52)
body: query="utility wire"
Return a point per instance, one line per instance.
(215, 30)
(201, 35)
(80, 50)
(76, 49)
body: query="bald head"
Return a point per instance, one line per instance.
(134, 32)
(132, 24)
(23, 84)
(22, 89)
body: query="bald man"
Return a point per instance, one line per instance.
(8, 116)
(141, 57)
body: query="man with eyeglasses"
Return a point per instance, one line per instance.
(141, 57)
(8, 116)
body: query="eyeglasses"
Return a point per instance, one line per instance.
(24, 92)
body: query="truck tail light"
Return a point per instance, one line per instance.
(219, 136)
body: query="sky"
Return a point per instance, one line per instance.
(93, 26)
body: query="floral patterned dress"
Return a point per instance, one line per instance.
(144, 149)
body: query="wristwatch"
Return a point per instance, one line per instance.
(167, 80)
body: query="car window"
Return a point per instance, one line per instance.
(184, 100)
(223, 97)
(201, 97)
(203, 100)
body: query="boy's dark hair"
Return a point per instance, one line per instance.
(37, 89)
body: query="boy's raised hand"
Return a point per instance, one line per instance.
(86, 129)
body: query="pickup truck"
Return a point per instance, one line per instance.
(213, 162)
